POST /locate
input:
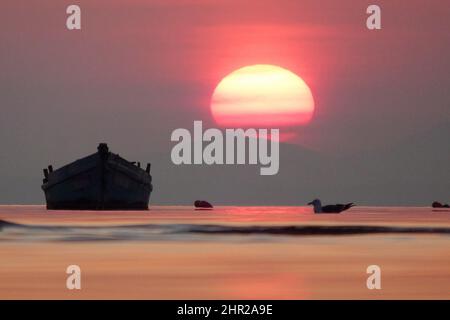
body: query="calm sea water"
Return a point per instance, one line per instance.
(35, 223)
(225, 253)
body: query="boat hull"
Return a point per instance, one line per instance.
(98, 182)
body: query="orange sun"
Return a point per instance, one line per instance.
(262, 96)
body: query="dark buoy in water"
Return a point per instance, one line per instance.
(201, 204)
(437, 204)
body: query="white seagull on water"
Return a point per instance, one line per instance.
(332, 208)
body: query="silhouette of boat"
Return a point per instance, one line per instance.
(101, 181)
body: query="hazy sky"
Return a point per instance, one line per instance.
(140, 69)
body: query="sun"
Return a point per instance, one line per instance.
(262, 96)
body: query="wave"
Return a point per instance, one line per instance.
(15, 231)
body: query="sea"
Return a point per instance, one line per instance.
(229, 252)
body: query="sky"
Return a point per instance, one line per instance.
(137, 71)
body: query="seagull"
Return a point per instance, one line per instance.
(201, 204)
(332, 208)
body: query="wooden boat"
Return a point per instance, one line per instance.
(101, 181)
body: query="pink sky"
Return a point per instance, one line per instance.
(148, 67)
